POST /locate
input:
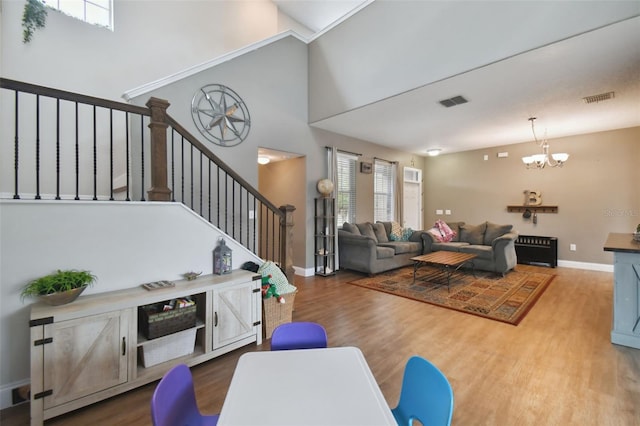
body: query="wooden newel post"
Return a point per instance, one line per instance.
(159, 190)
(286, 230)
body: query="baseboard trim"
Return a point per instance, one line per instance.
(585, 265)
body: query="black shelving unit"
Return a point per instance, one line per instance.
(325, 233)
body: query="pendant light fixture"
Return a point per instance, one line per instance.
(539, 161)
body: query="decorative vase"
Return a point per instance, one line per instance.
(325, 187)
(62, 298)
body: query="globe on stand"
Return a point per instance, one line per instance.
(325, 187)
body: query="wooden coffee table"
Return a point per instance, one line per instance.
(448, 261)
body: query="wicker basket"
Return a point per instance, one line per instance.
(274, 313)
(155, 324)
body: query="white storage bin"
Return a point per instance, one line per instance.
(168, 347)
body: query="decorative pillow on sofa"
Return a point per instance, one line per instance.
(380, 231)
(349, 227)
(403, 235)
(473, 234)
(367, 230)
(396, 231)
(494, 231)
(446, 233)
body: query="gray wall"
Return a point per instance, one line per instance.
(596, 191)
(346, 66)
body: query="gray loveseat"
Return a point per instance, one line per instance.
(493, 244)
(367, 247)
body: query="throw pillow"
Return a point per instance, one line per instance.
(367, 230)
(436, 233)
(494, 231)
(406, 234)
(396, 232)
(381, 232)
(473, 234)
(446, 232)
(349, 227)
(278, 278)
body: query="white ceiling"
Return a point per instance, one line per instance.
(549, 82)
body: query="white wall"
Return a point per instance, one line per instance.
(124, 244)
(348, 70)
(151, 39)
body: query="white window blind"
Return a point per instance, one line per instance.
(346, 190)
(96, 12)
(383, 191)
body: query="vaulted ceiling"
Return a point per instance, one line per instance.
(550, 81)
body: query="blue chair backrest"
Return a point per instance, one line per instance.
(298, 335)
(426, 395)
(174, 400)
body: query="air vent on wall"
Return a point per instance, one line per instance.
(598, 98)
(456, 100)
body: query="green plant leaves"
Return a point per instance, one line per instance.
(62, 280)
(33, 17)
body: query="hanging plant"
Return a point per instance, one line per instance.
(33, 17)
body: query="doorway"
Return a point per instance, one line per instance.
(412, 198)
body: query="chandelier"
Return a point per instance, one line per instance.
(539, 161)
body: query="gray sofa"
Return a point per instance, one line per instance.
(493, 244)
(367, 247)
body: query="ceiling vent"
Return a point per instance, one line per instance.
(598, 98)
(456, 100)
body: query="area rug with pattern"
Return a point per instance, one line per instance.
(507, 299)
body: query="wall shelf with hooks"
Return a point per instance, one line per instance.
(536, 209)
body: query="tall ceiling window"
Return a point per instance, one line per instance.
(346, 190)
(383, 190)
(97, 12)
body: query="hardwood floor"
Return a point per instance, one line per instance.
(558, 367)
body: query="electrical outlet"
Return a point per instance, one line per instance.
(252, 214)
(572, 247)
(447, 212)
(439, 212)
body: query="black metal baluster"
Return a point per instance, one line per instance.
(95, 155)
(209, 198)
(38, 197)
(111, 153)
(182, 171)
(57, 148)
(201, 171)
(173, 166)
(233, 209)
(77, 148)
(142, 156)
(126, 120)
(255, 219)
(218, 194)
(191, 179)
(16, 156)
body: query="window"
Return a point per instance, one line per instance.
(383, 191)
(97, 12)
(346, 191)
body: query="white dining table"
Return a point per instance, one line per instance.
(310, 387)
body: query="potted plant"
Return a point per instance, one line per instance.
(60, 287)
(33, 17)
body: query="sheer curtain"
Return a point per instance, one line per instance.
(332, 174)
(398, 197)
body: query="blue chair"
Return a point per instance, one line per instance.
(298, 335)
(174, 401)
(426, 395)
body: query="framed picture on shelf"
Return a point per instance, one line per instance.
(365, 167)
